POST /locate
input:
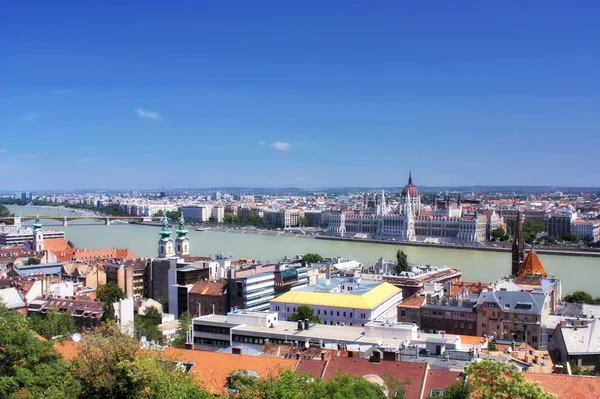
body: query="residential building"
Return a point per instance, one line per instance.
(15, 235)
(181, 280)
(85, 311)
(217, 214)
(587, 228)
(577, 341)
(418, 276)
(208, 297)
(560, 222)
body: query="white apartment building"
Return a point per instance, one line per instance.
(201, 213)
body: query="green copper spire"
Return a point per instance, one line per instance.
(181, 231)
(165, 232)
(37, 225)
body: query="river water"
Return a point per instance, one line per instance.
(576, 272)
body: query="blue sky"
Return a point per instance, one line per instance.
(147, 94)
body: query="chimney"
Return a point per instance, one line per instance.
(376, 357)
(323, 356)
(299, 325)
(306, 324)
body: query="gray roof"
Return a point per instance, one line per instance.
(514, 301)
(47, 269)
(11, 298)
(582, 340)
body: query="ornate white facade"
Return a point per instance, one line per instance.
(407, 221)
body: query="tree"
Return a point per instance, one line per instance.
(185, 321)
(174, 215)
(109, 294)
(498, 234)
(53, 324)
(551, 240)
(303, 221)
(147, 325)
(458, 390)
(401, 262)
(159, 214)
(32, 261)
(302, 313)
(110, 364)
(580, 296)
(588, 239)
(490, 379)
(70, 244)
(309, 259)
(29, 366)
(290, 385)
(574, 238)
(4, 212)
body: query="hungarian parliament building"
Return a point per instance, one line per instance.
(411, 221)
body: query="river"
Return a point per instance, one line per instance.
(576, 272)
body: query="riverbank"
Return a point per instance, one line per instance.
(568, 252)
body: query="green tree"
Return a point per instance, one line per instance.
(70, 244)
(174, 216)
(401, 262)
(309, 259)
(109, 364)
(109, 294)
(588, 239)
(147, 325)
(580, 296)
(302, 313)
(303, 221)
(159, 214)
(490, 379)
(185, 321)
(290, 385)
(53, 324)
(29, 366)
(498, 234)
(551, 240)
(230, 218)
(325, 223)
(32, 261)
(458, 390)
(575, 238)
(4, 212)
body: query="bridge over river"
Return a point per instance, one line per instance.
(16, 220)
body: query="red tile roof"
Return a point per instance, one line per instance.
(533, 266)
(413, 302)
(566, 386)
(440, 379)
(413, 372)
(210, 288)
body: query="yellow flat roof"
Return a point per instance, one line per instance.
(369, 300)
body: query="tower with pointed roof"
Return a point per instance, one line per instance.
(182, 242)
(165, 242)
(38, 235)
(410, 221)
(518, 247)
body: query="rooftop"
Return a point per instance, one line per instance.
(347, 293)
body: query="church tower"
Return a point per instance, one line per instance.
(38, 235)
(165, 243)
(518, 247)
(182, 242)
(410, 220)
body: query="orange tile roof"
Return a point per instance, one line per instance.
(214, 367)
(413, 302)
(56, 244)
(533, 266)
(210, 288)
(567, 386)
(471, 340)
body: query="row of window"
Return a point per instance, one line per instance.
(362, 315)
(211, 329)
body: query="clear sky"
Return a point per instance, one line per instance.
(134, 95)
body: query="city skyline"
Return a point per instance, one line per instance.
(289, 95)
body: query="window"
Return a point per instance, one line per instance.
(288, 309)
(331, 313)
(344, 314)
(350, 314)
(338, 313)
(319, 311)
